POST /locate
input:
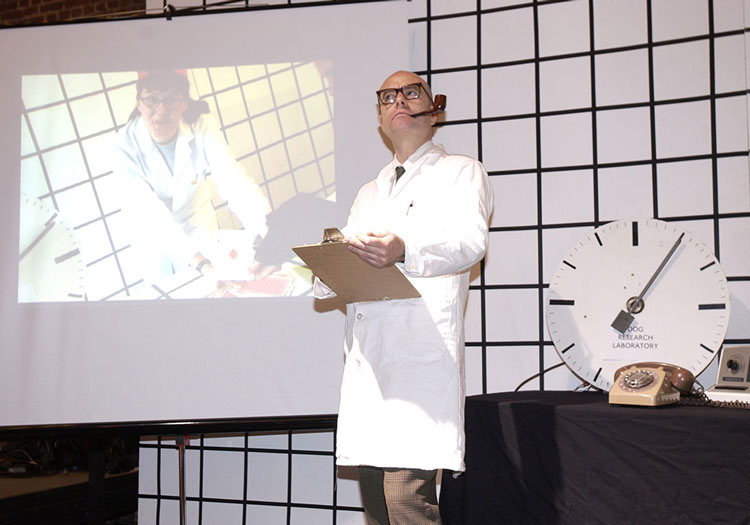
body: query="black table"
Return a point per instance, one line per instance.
(567, 457)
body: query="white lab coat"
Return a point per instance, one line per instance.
(170, 215)
(402, 394)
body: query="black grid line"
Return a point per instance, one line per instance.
(200, 479)
(245, 483)
(714, 146)
(159, 496)
(480, 152)
(652, 108)
(539, 194)
(594, 148)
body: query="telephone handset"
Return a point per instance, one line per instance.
(650, 384)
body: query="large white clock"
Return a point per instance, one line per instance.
(633, 291)
(50, 263)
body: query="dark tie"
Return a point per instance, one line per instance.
(399, 171)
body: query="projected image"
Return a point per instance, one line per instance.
(183, 183)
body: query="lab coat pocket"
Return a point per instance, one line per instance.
(412, 332)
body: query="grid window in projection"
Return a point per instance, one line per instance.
(275, 118)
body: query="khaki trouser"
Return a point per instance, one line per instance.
(394, 496)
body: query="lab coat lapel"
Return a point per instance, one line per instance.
(155, 168)
(182, 161)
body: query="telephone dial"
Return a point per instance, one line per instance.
(650, 384)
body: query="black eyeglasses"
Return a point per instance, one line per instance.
(153, 101)
(410, 92)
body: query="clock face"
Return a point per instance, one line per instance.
(51, 267)
(682, 319)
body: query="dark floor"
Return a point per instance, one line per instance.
(128, 519)
(47, 481)
(64, 499)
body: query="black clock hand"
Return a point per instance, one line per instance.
(635, 304)
(47, 227)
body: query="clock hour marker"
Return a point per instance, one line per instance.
(47, 228)
(571, 345)
(707, 348)
(708, 265)
(597, 374)
(562, 302)
(635, 233)
(64, 257)
(598, 239)
(567, 263)
(712, 306)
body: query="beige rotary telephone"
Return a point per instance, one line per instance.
(650, 384)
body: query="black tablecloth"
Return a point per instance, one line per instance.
(567, 457)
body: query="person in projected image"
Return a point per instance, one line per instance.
(402, 394)
(169, 156)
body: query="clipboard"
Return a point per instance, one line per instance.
(353, 279)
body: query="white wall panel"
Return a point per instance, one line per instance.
(625, 192)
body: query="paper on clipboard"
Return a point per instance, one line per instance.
(353, 279)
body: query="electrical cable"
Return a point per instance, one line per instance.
(558, 365)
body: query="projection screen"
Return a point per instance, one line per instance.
(157, 173)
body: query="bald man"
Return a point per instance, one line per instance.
(402, 394)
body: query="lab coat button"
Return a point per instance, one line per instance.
(359, 316)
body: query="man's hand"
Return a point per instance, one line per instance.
(380, 249)
(261, 271)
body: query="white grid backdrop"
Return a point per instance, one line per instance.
(583, 112)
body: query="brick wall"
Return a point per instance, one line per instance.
(27, 12)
